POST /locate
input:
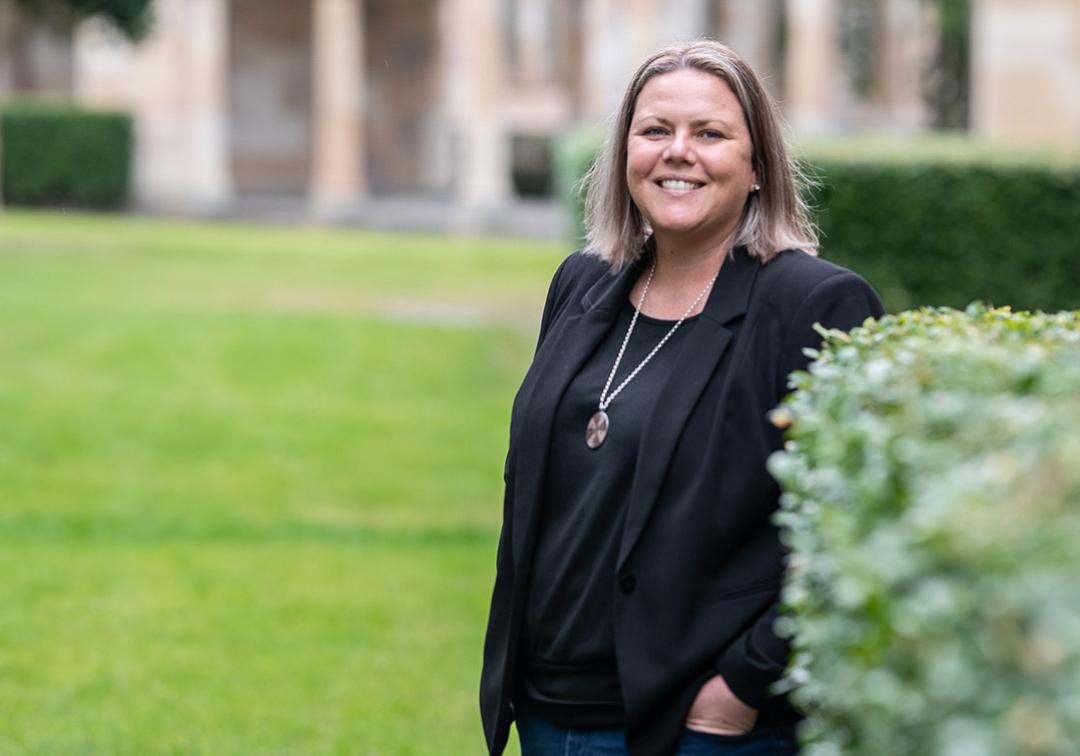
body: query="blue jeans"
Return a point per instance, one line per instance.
(541, 738)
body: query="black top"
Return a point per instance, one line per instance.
(569, 673)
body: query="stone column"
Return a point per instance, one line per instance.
(533, 36)
(904, 48)
(643, 30)
(672, 21)
(105, 66)
(1025, 70)
(208, 71)
(10, 34)
(605, 58)
(812, 67)
(749, 28)
(175, 84)
(337, 180)
(476, 87)
(658, 23)
(180, 100)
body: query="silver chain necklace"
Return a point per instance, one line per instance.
(599, 424)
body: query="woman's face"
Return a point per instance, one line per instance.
(688, 162)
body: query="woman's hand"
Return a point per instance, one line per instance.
(717, 711)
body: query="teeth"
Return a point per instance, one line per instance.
(679, 185)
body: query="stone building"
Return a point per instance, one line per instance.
(343, 106)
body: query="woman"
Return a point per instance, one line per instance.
(638, 569)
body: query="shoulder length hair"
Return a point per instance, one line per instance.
(775, 217)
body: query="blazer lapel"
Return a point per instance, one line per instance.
(560, 358)
(697, 360)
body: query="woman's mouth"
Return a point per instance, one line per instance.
(680, 185)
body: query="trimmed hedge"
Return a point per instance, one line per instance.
(932, 509)
(935, 222)
(945, 233)
(62, 155)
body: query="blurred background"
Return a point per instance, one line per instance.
(271, 273)
(444, 113)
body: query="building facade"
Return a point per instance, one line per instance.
(340, 103)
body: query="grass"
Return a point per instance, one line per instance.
(251, 483)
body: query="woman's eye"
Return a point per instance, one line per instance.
(710, 134)
(654, 131)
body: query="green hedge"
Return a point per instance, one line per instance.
(573, 152)
(932, 509)
(60, 155)
(934, 222)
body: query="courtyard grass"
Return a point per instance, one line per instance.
(250, 482)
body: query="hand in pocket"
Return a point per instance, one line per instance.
(717, 711)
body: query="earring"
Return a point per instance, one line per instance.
(757, 187)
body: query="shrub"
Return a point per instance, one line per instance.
(939, 229)
(932, 510)
(574, 153)
(62, 155)
(934, 222)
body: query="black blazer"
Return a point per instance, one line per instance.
(700, 563)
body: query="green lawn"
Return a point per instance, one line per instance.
(250, 483)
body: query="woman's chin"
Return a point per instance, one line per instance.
(675, 224)
(682, 231)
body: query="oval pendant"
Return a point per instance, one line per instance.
(597, 430)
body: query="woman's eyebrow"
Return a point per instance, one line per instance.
(696, 123)
(650, 116)
(711, 121)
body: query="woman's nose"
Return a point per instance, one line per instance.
(679, 148)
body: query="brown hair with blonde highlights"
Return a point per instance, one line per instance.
(775, 218)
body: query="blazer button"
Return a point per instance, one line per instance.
(627, 584)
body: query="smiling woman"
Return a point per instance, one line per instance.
(639, 570)
(689, 166)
